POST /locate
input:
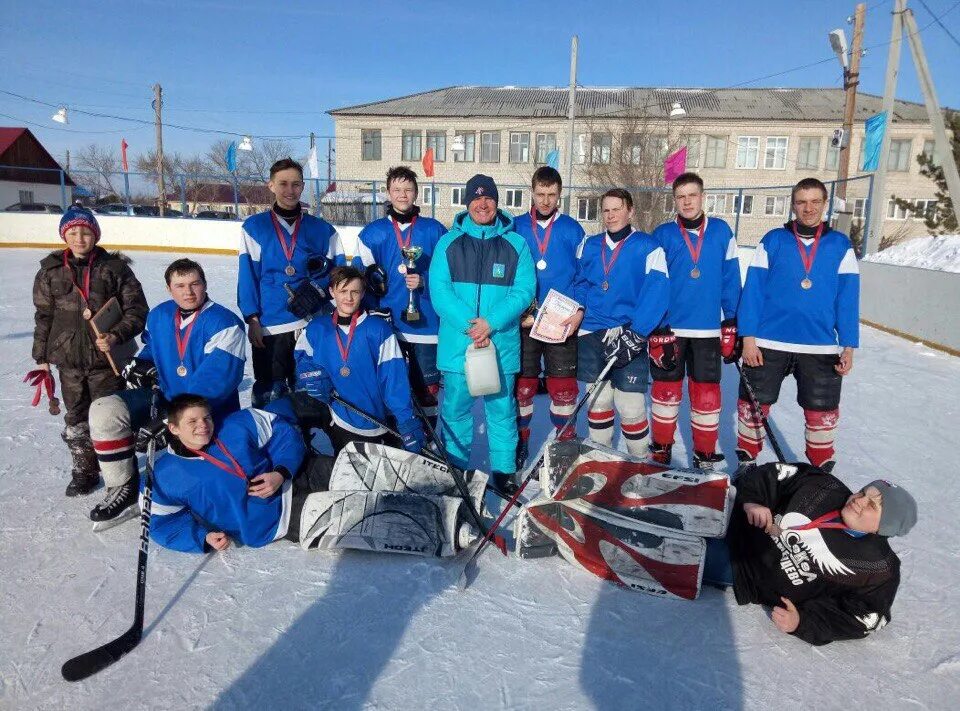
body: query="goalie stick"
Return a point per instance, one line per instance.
(89, 663)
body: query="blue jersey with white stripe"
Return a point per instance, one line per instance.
(560, 254)
(262, 279)
(377, 381)
(189, 489)
(214, 354)
(781, 314)
(696, 303)
(638, 292)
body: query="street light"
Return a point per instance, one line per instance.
(245, 144)
(838, 42)
(61, 115)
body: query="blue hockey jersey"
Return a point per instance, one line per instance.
(638, 281)
(192, 497)
(214, 355)
(378, 245)
(696, 303)
(560, 253)
(377, 382)
(782, 315)
(262, 277)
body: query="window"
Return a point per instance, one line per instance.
(898, 159)
(808, 157)
(930, 151)
(26, 197)
(514, 197)
(600, 147)
(775, 155)
(430, 195)
(520, 147)
(775, 205)
(716, 155)
(437, 140)
(580, 148)
(746, 208)
(833, 158)
(632, 150)
(370, 139)
(693, 150)
(748, 151)
(469, 141)
(546, 143)
(895, 211)
(412, 145)
(587, 208)
(715, 204)
(925, 209)
(490, 147)
(457, 197)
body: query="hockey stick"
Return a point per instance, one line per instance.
(89, 663)
(469, 570)
(755, 404)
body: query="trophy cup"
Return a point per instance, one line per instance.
(412, 253)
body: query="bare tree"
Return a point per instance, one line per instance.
(97, 169)
(253, 167)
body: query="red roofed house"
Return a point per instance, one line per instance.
(199, 197)
(28, 173)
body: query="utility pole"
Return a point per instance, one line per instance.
(68, 160)
(314, 169)
(329, 162)
(157, 107)
(851, 78)
(947, 162)
(878, 201)
(571, 116)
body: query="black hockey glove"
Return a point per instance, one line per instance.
(156, 431)
(306, 300)
(141, 373)
(376, 278)
(319, 266)
(623, 345)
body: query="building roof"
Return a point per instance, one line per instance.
(23, 159)
(816, 104)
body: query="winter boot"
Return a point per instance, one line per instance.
(523, 450)
(828, 466)
(504, 484)
(117, 500)
(85, 474)
(707, 461)
(660, 453)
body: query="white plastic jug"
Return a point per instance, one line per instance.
(480, 367)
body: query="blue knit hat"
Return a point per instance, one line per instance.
(77, 215)
(480, 186)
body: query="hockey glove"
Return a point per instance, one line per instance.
(141, 373)
(730, 345)
(663, 348)
(317, 384)
(625, 348)
(156, 431)
(305, 300)
(318, 266)
(382, 313)
(376, 278)
(412, 434)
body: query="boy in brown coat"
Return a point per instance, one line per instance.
(71, 286)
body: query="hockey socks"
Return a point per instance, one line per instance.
(600, 416)
(633, 421)
(704, 415)
(563, 398)
(750, 428)
(665, 400)
(820, 431)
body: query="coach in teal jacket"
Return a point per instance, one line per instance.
(481, 280)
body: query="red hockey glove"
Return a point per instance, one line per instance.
(730, 345)
(662, 345)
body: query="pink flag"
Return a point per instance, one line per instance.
(674, 165)
(123, 153)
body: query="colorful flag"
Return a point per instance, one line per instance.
(428, 163)
(875, 126)
(674, 165)
(123, 154)
(231, 156)
(553, 158)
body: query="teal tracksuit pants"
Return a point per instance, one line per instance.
(501, 411)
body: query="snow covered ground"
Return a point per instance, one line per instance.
(941, 253)
(280, 627)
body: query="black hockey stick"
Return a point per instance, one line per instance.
(755, 404)
(469, 570)
(89, 663)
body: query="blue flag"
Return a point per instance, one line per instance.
(553, 158)
(873, 140)
(231, 156)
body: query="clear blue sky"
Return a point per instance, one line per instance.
(226, 65)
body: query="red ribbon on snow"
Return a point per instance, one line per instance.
(43, 380)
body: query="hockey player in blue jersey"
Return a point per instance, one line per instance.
(236, 481)
(704, 287)
(622, 282)
(357, 355)
(190, 344)
(553, 240)
(799, 314)
(382, 243)
(282, 279)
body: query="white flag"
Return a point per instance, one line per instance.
(312, 163)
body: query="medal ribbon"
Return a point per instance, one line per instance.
(694, 253)
(804, 257)
(614, 254)
(182, 341)
(345, 351)
(825, 521)
(287, 251)
(542, 246)
(85, 289)
(234, 467)
(401, 244)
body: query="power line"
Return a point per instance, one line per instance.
(940, 22)
(57, 128)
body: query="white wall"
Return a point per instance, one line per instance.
(10, 192)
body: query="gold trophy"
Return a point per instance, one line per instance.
(412, 253)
